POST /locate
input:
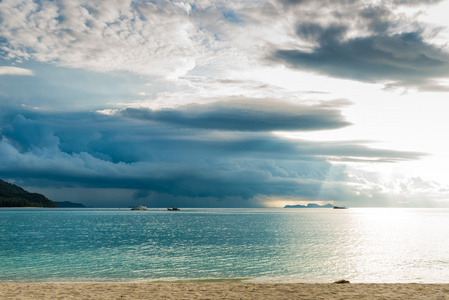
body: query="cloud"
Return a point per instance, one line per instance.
(180, 161)
(416, 2)
(27, 134)
(247, 115)
(402, 58)
(15, 71)
(356, 2)
(368, 43)
(139, 37)
(244, 178)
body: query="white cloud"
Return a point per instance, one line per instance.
(15, 71)
(103, 36)
(162, 39)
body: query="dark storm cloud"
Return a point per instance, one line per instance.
(254, 115)
(45, 149)
(366, 42)
(404, 58)
(26, 133)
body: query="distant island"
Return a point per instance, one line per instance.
(12, 195)
(68, 204)
(310, 205)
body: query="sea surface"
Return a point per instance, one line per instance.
(258, 245)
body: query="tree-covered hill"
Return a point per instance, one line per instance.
(12, 195)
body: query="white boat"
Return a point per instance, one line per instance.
(173, 208)
(140, 207)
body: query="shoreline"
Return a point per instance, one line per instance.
(222, 290)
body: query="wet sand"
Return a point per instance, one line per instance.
(221, 290)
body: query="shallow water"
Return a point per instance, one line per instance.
(263, 245)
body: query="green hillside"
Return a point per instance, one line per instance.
(12, 195)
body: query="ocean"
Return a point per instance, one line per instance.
(375, 245)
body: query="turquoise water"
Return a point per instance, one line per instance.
(261, 245)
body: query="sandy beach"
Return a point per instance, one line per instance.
(221, 290)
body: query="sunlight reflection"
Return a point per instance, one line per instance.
(385, 241)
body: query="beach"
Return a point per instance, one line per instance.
(222, 290)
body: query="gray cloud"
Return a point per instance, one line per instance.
(416, 2)
(402, 58)
(247, 115)
(366, 42)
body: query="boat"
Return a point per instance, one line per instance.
(140, 207)
(340, 207)
(173, 208)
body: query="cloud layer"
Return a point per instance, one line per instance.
(161, 154)
(246, 115)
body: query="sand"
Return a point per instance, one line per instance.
(221, 290)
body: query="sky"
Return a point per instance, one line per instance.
(226, 103)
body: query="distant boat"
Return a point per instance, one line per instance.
(340, 207)
(140, 207)
(173, 208)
